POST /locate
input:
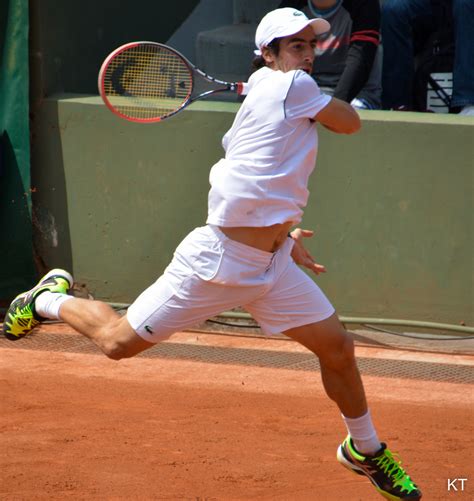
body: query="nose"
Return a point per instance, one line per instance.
(309, 54)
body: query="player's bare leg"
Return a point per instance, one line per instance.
(334, 347)
(97, 321)
(107, 329)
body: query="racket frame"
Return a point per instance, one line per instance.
(236, 87)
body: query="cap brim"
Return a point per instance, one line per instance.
(320, 26)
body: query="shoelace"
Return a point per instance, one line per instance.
(391, 465)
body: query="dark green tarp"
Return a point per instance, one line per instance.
(16, 253)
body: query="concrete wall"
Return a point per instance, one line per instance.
(392, 205)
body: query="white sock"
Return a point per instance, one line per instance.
(47, 304)
(363, 434)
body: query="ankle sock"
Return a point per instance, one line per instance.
(47, 304)
(363, 434)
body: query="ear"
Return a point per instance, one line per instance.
(268, 56)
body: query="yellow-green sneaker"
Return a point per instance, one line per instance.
(383, 470)
(21, 316)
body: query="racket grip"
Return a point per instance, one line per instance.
(242, 88)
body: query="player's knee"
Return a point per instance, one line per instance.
(114, 351)
(112, 345)
(117, 348)
(342, 355)
(121, 341)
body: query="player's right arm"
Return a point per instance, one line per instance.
(339, 116)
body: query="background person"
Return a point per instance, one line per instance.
(401, 19)
(348, 62)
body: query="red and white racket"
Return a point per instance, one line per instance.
(148, 82)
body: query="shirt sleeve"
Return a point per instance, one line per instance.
(304, 98)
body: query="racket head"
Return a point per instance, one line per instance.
(145, 82)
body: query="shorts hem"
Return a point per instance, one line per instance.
(139, 331)
(299, 323)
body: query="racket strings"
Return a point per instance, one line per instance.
(147, 81)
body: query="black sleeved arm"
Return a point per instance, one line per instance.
(365, 38)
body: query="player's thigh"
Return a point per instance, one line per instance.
(292, 300)
(162, 309)
(327, 338)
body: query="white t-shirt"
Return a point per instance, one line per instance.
(270, 152)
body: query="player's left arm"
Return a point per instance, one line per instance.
(365, 39)
(339, 116)
(301, 255)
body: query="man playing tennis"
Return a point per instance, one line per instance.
(244, 256)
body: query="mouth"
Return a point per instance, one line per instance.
(307, 69)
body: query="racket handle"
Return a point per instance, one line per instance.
(242, 88)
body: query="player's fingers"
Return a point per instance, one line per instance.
(318, 268)
(313, 266)
(310, 256)
(299, 232)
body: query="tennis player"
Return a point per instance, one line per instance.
(247, 255)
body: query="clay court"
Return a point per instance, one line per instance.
(226, 417)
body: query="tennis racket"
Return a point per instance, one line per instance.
(147, 82)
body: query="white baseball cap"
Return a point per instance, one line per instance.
(285, 22)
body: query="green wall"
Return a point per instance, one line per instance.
(392, 205)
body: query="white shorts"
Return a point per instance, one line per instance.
(210, 273)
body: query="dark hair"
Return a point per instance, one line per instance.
(259, 61)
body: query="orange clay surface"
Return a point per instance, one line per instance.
(75, 425)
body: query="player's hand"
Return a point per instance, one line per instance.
(300, 254)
